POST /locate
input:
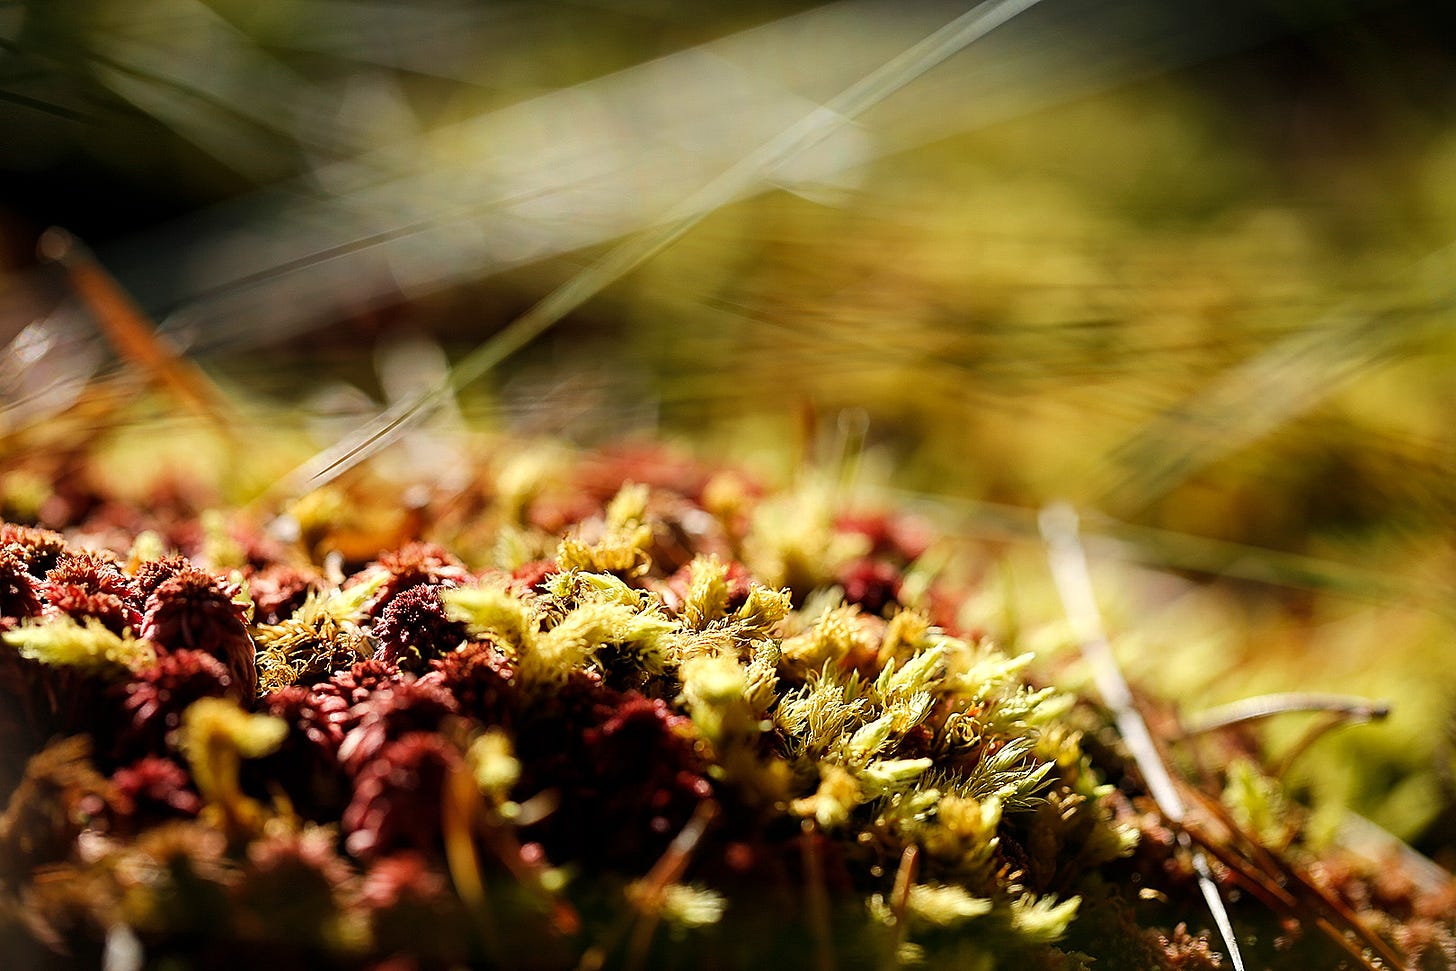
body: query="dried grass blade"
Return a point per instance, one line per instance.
(1169, 549)
(633, 251)
(1074, 583)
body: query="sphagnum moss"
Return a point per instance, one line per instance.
(630, 750)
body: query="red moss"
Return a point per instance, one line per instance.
(306, 765)
(19, 597)
(528, 577)
(401, 877)
(1188, 952)
(397, 797)
(191, 611)
(390, 712)
(413, 629)
(39, 549)
(360, 680)
(278, 590)
(148, 792)
(73, 600)
(620, 763)
(94, 573)
(153, 573)
(480, 678)
(320, 717)
(152, 702)
(412, 565)
(899, 538)
(873, 584)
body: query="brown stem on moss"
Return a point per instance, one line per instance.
(816, 897)
(459, 808)
(667, 870)
(900, 898)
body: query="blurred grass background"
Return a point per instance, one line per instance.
(1188, 268)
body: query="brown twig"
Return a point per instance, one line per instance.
(1347, 707)
(1316, 731)
(1302, 898)
(131, 334)
(666, 871)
